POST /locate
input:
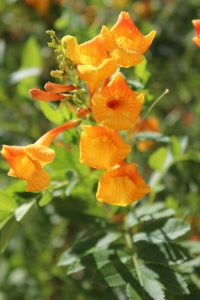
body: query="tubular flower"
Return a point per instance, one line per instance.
(92, 60)
(196, 39)
(125, 42)
(151, 124)
(116, 105)
(101, 147)
(27, 162)
(121, 185)
(53, 92)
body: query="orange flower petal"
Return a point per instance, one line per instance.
(101, 147)
(38, 181)
(94, 75)
(126, 58)
(116, 105)
(121, 186)
(196, 24)
(108, 39)
(72, 49)
(38, 94)
(128, 36)
(52, 87)
(40, 153)
(93, 52)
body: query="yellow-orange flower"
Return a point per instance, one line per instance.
(150, 124)
(41, 6)
(121, 185)
(196, 39)
(125, 42)
(116, 105)
(92, 60)
(101, 147)
(27, 162)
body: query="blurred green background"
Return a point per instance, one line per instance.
(28, 266)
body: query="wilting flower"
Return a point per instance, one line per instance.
(116, 105)
(196, 39)
(121, 185)
(150, 124)
(27, 162)
(125, 42)
(41, 6)
(53, 92)
(101, 147)
(92, 60)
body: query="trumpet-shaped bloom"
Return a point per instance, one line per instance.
(125, 42)
(121, 185)
(92, 60)
(27, 162)
(196, 39)
(116, 105)
(101, 147)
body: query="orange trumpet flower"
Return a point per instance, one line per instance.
(121, 185)
(116, 105)
(92, 60)
(196, 39)
(101, 147)
(27, 162)
(125, 42)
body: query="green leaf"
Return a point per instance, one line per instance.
(6, 232)
(151, 284)
(31, 58)
(141, 71)
(7, 202)
(46, 198)
(176, 146)
(52, 114)
(175, 228)
(72, 177)
(158, 158)
(23, 212)
(153, 136)
(132, 293)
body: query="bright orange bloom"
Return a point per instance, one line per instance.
(27, 162)
(196, 39)
(101, 147)
(41, 6)
(121, 185)
(116, 105)
(92, 60)
(150, 124)
(125, 42)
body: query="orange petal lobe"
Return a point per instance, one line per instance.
(101, 147)
(116, 105)
(121, 186)
(128, 36)
(38, 181)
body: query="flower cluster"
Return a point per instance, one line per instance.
(114, 106)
